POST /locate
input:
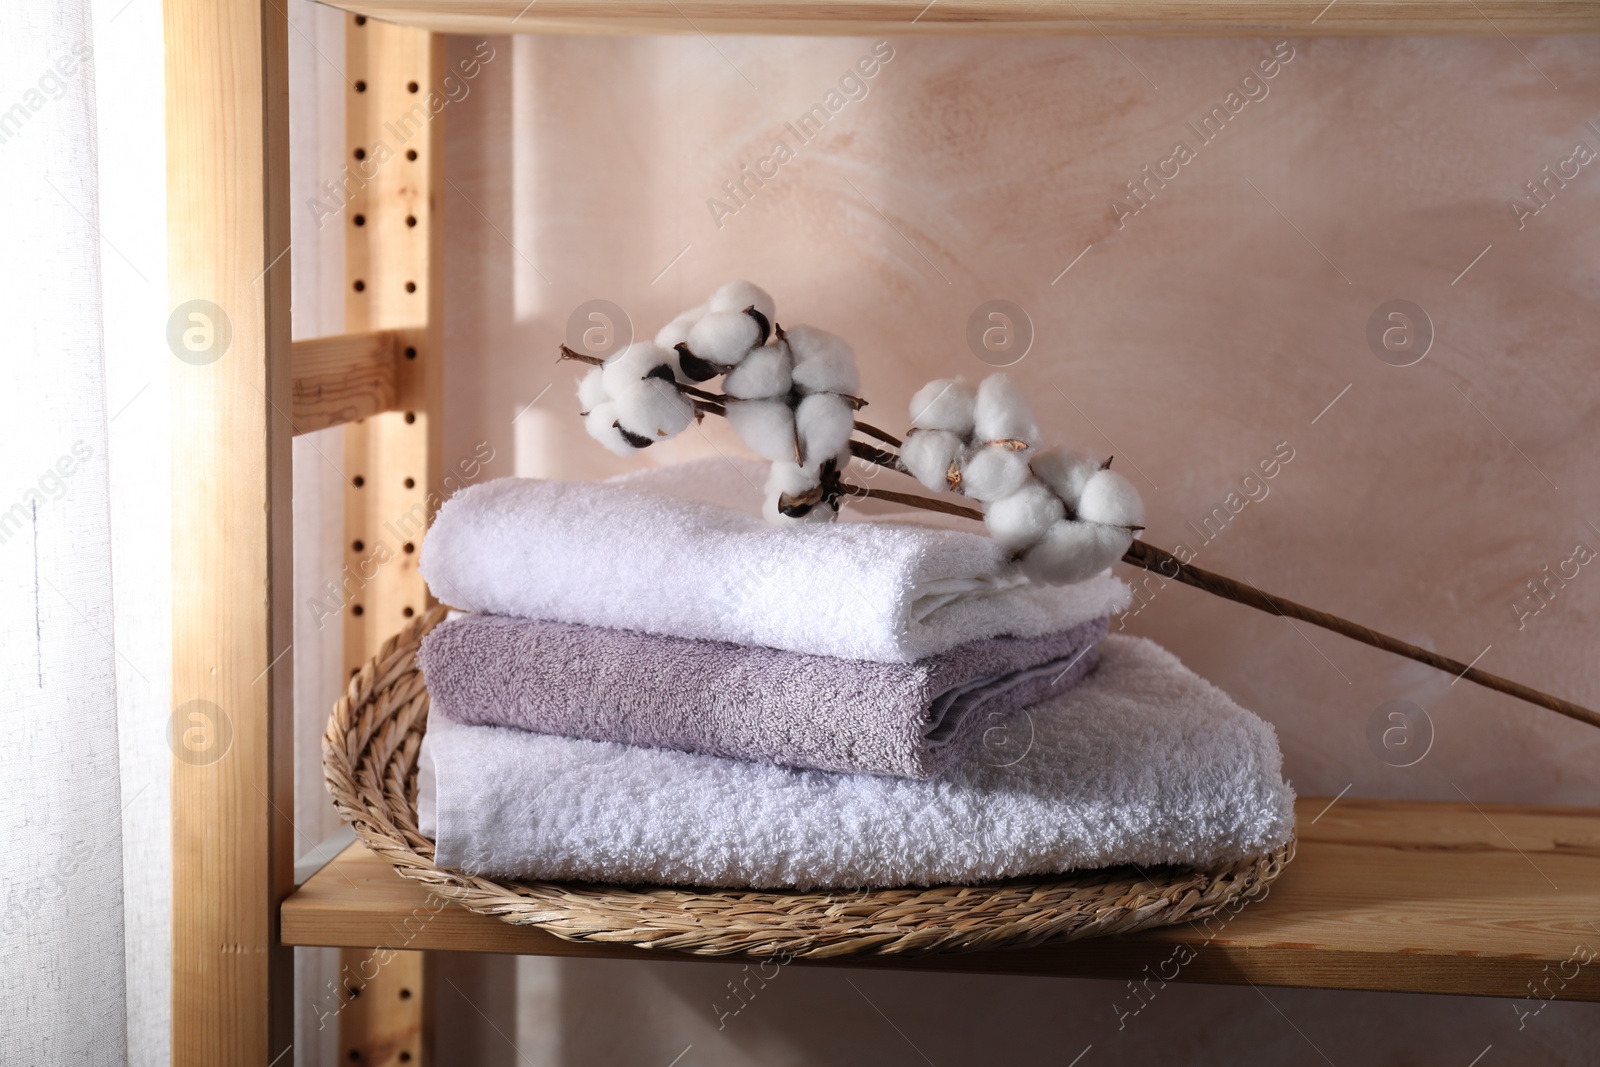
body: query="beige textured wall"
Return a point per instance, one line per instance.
(1220, 320)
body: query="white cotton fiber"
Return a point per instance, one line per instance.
(823, 362)
(824, 422)
(1019, 519)
(1002, 412)
(1074, 551)
(993, 472)
(591, 390)
(601, 424)
(763, 374)
(928, 454)
(944, 404)
(654, 408)
(792, 480)
(766, 427)
(676, 332)
(724, 337)
(1065, 473)
(736, 296)
(1111, 499)
(632, 364)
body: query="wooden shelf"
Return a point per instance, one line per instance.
(1229, 18)
(1383, 895)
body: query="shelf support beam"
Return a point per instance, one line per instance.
(393, 289)
(227, 82)
(344, 378)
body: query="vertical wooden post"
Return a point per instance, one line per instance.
(232, 852)
(393, 256)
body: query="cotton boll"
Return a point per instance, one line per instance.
(1018, 519)
(794, 495)
(1002, 412)
(601, 422)
(725, 337)
(944, 404)
(653, 409)
(763, 374)
(824, 422)
(992, 472)
(676, 332)
(1065, 473)
(736, 296)
(1074, 551)
(928, 454)
(1111, 499)
(766, 427)
(591, 390)
(633, 364)
(823, 362)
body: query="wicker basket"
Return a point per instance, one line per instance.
(370, 759)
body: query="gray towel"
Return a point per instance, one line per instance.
(911, 720)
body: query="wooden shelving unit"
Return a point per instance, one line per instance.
(1383, 895)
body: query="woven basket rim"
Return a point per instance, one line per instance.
(369, 755)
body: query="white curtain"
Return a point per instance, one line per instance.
(61, 974)
(84, 537)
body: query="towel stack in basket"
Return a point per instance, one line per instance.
(650, 684)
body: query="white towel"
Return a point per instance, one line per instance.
(1143, 763)
(627, 557)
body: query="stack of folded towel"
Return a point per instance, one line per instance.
(650, 684)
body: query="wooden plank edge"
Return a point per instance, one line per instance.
(1239, 18)
(344, 378)
(1177, 954)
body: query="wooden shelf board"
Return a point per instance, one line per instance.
(1382, 895)
(1234, 18)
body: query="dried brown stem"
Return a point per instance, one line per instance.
(872, 431)
(876, 456)
(570, 353)
(926, 503)
(1164, 563)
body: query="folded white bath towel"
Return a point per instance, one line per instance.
(629, 557)
(1143, 763)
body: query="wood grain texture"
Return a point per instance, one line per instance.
(1233, 18)
(392, 459)
(393, 229)
(380, 1018)
(232, 850)
(1382, 895)
(343, 378)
